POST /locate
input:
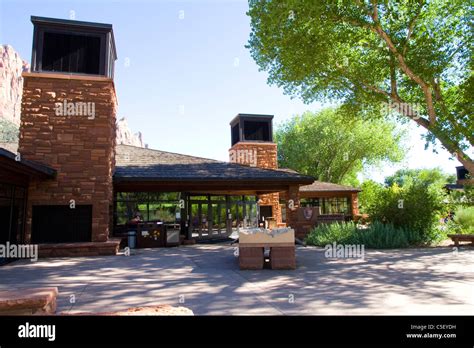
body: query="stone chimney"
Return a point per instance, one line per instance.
(68, 119)
(252, 145)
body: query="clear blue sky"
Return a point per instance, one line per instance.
(181, 80)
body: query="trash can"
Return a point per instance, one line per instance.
(172, 234)
(132, 239)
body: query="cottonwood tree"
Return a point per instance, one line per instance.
(332, 148)
(414, 56)
(431, 176)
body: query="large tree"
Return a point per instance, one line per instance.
(332, 148)
(413, 56)
(428, 177)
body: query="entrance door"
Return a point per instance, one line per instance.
(207, 216)
(212, 217)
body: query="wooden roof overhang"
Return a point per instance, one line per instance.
(203, 186)
(20, 172)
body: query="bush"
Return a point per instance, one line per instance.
(369, 195)
(383, 236)
(464, 220)
(330, 233)
(377, 235)
(416, 207)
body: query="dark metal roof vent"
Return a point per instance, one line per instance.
(73, 47)
(251, 127)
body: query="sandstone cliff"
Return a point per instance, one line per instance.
(125, 135)
(11, 89)
(11, 83)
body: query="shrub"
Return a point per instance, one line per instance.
(464, 219)
(369, 195)
(416, 207)
(377, 235)
(330, 233)
(382, 236)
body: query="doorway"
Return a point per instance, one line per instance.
(218, 217)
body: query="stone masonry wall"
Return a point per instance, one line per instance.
(81, 148)
(292, 214)
(266, 157)
(354, 204)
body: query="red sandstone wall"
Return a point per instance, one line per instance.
(266, 157)
(354, 204)
(82, 150)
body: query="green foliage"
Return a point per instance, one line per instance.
(464, 220)
(378, 235)
(8, 132)
(368, 197)
(383, 236)
(416, 207)
(331, 148)
(163, 215)
(404, 177)
(397, 53)
(463, 197)
(323, 234)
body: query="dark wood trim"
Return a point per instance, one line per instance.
(214, 187)
(25, 168)
(322, 194)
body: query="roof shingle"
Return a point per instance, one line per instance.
(320, 186)
(136, 163)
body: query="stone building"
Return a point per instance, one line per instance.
(71, 189)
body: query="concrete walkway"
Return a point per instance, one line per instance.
(206, 279)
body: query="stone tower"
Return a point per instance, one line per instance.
(68, 119)
(252, 145)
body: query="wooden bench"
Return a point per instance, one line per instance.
(456, 238)
(40, 301)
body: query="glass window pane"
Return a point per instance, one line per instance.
(166, 212)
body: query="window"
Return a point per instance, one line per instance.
(336, 205)
(71, 53)
(283, 212)
(311, 202)
(235, 134)
(152, 206)
(257, 130)
(328, 206)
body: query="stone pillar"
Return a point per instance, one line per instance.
(78, 140)
(354, 204)
(262, 155)
(292, 205)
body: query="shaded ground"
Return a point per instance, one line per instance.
(206, 279)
